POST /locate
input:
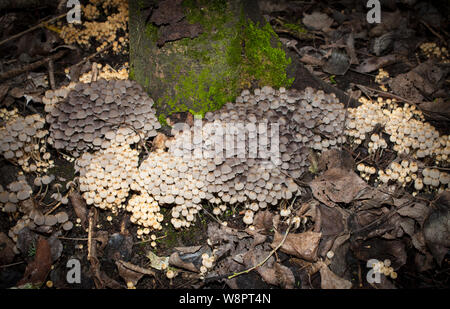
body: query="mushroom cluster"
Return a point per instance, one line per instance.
(52, 97)
(244, 170)
(366, 171)
(376, 142)
(105, 72)
(23, 142)
(18, 198)
(36, 220)
(382, 78)
(170, 180)
(434, 177)
(404, 172)
(145, 212)
(385, 268)
(16, 192)
(91, 113)
(106, 175)
(431, 50)
(405, 126)
(193, 169)
(103, 32)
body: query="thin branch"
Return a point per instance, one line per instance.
(268, 257)
(18, 35)
(31, 66)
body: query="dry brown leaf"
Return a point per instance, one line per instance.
(302, 245)
(6, 249)
(79, 205)
(436, 228)
(3, 91)
(263, 221)
(421, 81)
(278, 275)
(317, 21)
(129, 275)
(375, 63)
(337, 186)
(417, 211)
(38, 269)
(330, 280)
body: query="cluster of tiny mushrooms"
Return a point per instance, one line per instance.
(108, 140)
(102, 125)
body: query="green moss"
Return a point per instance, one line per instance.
(131, 74)
(295, 28)
(208, 13)
(162, 119)
(151, 31)
(266, 64)
(204, 91)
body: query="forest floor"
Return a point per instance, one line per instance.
(406, 230)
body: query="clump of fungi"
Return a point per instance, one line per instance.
(23, 142)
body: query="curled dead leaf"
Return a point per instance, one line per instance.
(79, 205)
(330, 280)
(38, 269)
(6, 249)
(337, 185)
(302, 245)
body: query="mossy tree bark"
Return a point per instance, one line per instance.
(236, 49)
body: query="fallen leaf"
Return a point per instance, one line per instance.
(37, 270)
(6, 249)
(421, 81)
(128, 275)
(79, 205)
(317, 21)
(417, 211)
(263, 221)
(3, 91)
(375, 63)
(438, 110)
(380, 249)
(337, 185)
(302, 245)
(156, 262)
(436, 228)
(188, 259)
(338, 63)
(330, 280)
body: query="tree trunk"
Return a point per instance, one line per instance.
(200, 54)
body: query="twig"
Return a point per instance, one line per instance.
(71, 238)
(93, 55)
(388, 94)
(136, 268)
(271, 253)
(31, 66)
(434, 32)
(13, 264)
(51, 75)
(18, 35)
(91, 223)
